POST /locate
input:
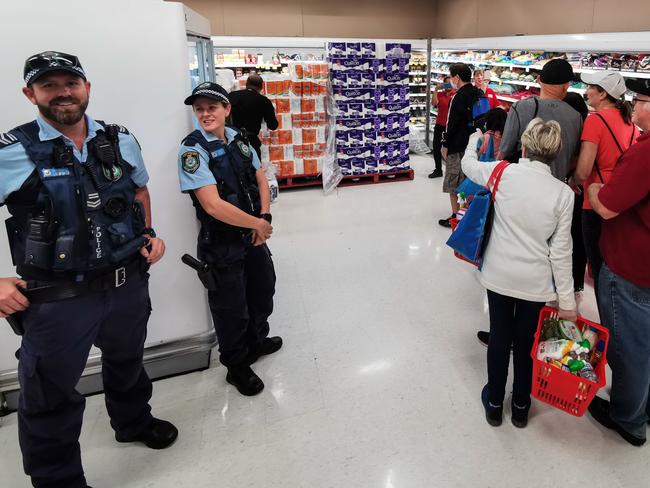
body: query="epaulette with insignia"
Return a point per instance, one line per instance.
(7, 139)
(123, 129)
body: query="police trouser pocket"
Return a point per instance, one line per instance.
(32, 390)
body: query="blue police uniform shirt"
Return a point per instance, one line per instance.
(202, 176)
(15, 165)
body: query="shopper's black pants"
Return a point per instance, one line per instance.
(591, 225)
(513, 322)
(243, 301)
(438, 130)
(579, 256)
(256, 144)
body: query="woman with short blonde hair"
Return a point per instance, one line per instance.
(527, 261)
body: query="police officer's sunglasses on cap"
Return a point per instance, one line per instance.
(53, 59)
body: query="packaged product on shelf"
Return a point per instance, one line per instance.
(387, 78)
(337, 49)
(396, 49)
(368, 49)
(353, 49)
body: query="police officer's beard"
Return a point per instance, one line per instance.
(64, 116)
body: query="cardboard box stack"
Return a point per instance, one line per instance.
(298, 145)
(372, 99)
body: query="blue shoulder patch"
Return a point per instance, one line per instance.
(7, 139)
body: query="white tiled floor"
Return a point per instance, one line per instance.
(378, 383)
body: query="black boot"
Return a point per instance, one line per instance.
(446, 222)
(599, 410)
(160, 434)
(437, 173)
(244, 379)
(519, 415)
(493, 414)
(268, 346)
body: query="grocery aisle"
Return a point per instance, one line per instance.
(378, 383)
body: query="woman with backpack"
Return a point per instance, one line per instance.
(606, 135)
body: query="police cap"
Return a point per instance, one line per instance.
(48, 61)
(209, 90)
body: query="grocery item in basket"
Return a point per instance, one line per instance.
(557, 349)
(588, 373)
(591, 337)
(569, 330)
(597, 354)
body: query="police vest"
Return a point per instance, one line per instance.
(233, 170)
(76, 217)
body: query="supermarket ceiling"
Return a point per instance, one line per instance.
(418, 19)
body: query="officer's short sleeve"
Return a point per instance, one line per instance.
(131, 153)
(256, 160)
(15, 168)
(193, 168)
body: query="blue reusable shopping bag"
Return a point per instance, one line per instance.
(470, 237)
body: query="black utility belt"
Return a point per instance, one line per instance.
(63, 289)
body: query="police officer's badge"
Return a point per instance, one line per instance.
(113, 173)
(243, 148)
(190, 161)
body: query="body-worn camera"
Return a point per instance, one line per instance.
(63, 156)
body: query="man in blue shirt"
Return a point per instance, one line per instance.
(221, 172)
(81, 239)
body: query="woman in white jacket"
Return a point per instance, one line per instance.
(527, 261)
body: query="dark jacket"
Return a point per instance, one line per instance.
(249, 108)
(460, 117)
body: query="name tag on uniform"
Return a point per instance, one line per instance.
(54, 172)
(219, 152)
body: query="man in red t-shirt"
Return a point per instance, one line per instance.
(440, 99)
(624, 281)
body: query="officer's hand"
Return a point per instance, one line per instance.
(258, 240)
(156, 250)
(263, 228)
(11, 300)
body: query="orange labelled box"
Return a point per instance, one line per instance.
(271, 88)
(280, 120)
(307, 70)
(286, 168)
(296, 88)
(276, 153)
(307, 88)
(308, 136)
(286, 86)
(274, 139)
(310, 166)
(308, 105)
(282, 105)
(285, 136)
(299, 71)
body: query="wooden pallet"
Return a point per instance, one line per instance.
(303, 181)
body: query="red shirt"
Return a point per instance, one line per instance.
(608, 153)
(444, 99)
(625, 239)
(492, 97)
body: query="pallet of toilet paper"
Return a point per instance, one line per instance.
(298, 146)
(372, 102)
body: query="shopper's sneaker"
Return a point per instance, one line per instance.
(269, 346)
(446, 222)
(599, 410)
(437, 173)
(244, 379)
(519, 415)
(493, 414)
(160, 434)
(483, 337)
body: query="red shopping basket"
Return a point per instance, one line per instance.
(562, 389)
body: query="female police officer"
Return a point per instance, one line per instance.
(223, 176)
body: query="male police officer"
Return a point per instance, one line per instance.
(222, 174)
(76, 190)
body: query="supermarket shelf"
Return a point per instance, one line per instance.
(508, 99)
(417, 94)
(299, 181)
(417, 73)
(418, 84)
(627, 74)
(418, 105)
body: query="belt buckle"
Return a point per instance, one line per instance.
(120, 276)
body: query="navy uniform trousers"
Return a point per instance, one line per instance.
(243, 301)
(53, 354)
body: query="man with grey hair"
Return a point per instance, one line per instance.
(624, 280)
